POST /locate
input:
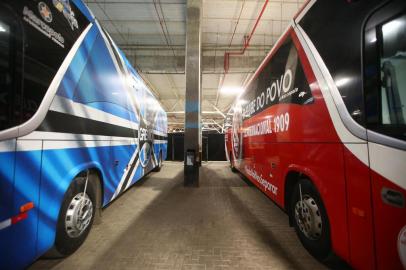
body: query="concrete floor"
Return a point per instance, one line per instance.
(158, 224)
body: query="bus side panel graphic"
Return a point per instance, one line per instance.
(83, 116)
(320, 129)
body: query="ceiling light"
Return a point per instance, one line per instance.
(231, 90)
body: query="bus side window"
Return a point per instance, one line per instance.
(10, 69)
(393, 71)
(385, 74)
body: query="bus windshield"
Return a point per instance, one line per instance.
(32, 49)
(8, 72)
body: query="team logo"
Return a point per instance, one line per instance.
(237, 135)
(65, 8)
(145, 142)
(145, 154)
(45, 12)
(34, 20)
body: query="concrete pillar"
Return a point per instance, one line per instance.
(193, 134)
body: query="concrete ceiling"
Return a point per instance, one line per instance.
(152, 34)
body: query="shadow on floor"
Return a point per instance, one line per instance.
(226, 223)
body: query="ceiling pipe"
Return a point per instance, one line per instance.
(247, 40)
(236, 25)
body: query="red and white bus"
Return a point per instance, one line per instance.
(321, 130)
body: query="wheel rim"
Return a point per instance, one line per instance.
(308, 218)
(79, 215)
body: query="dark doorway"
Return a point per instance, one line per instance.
(212, 147)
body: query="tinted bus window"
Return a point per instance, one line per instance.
(50, 29)
(282, 81)
(10, 68)
(334, 27)
(393, 71)
(385, 73)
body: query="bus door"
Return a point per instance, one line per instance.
(19, 185)
(124, 150)
(385, 88)
(123, 147)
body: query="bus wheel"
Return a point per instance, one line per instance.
(310, 219)
(76, 215)
(159, 166)
(233, 169)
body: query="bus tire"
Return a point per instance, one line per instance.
(159, 166)
(233, 169)
(310, 219)
(76, 218)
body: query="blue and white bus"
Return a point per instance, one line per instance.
(78, 126)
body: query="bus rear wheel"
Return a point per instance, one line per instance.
(233, 169)
(76, 215)
(310, 219)
(159, 165)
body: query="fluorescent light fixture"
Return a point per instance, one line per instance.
(231, 90)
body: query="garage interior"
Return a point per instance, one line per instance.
(225, 223)
(196, 56)
(202, 134)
